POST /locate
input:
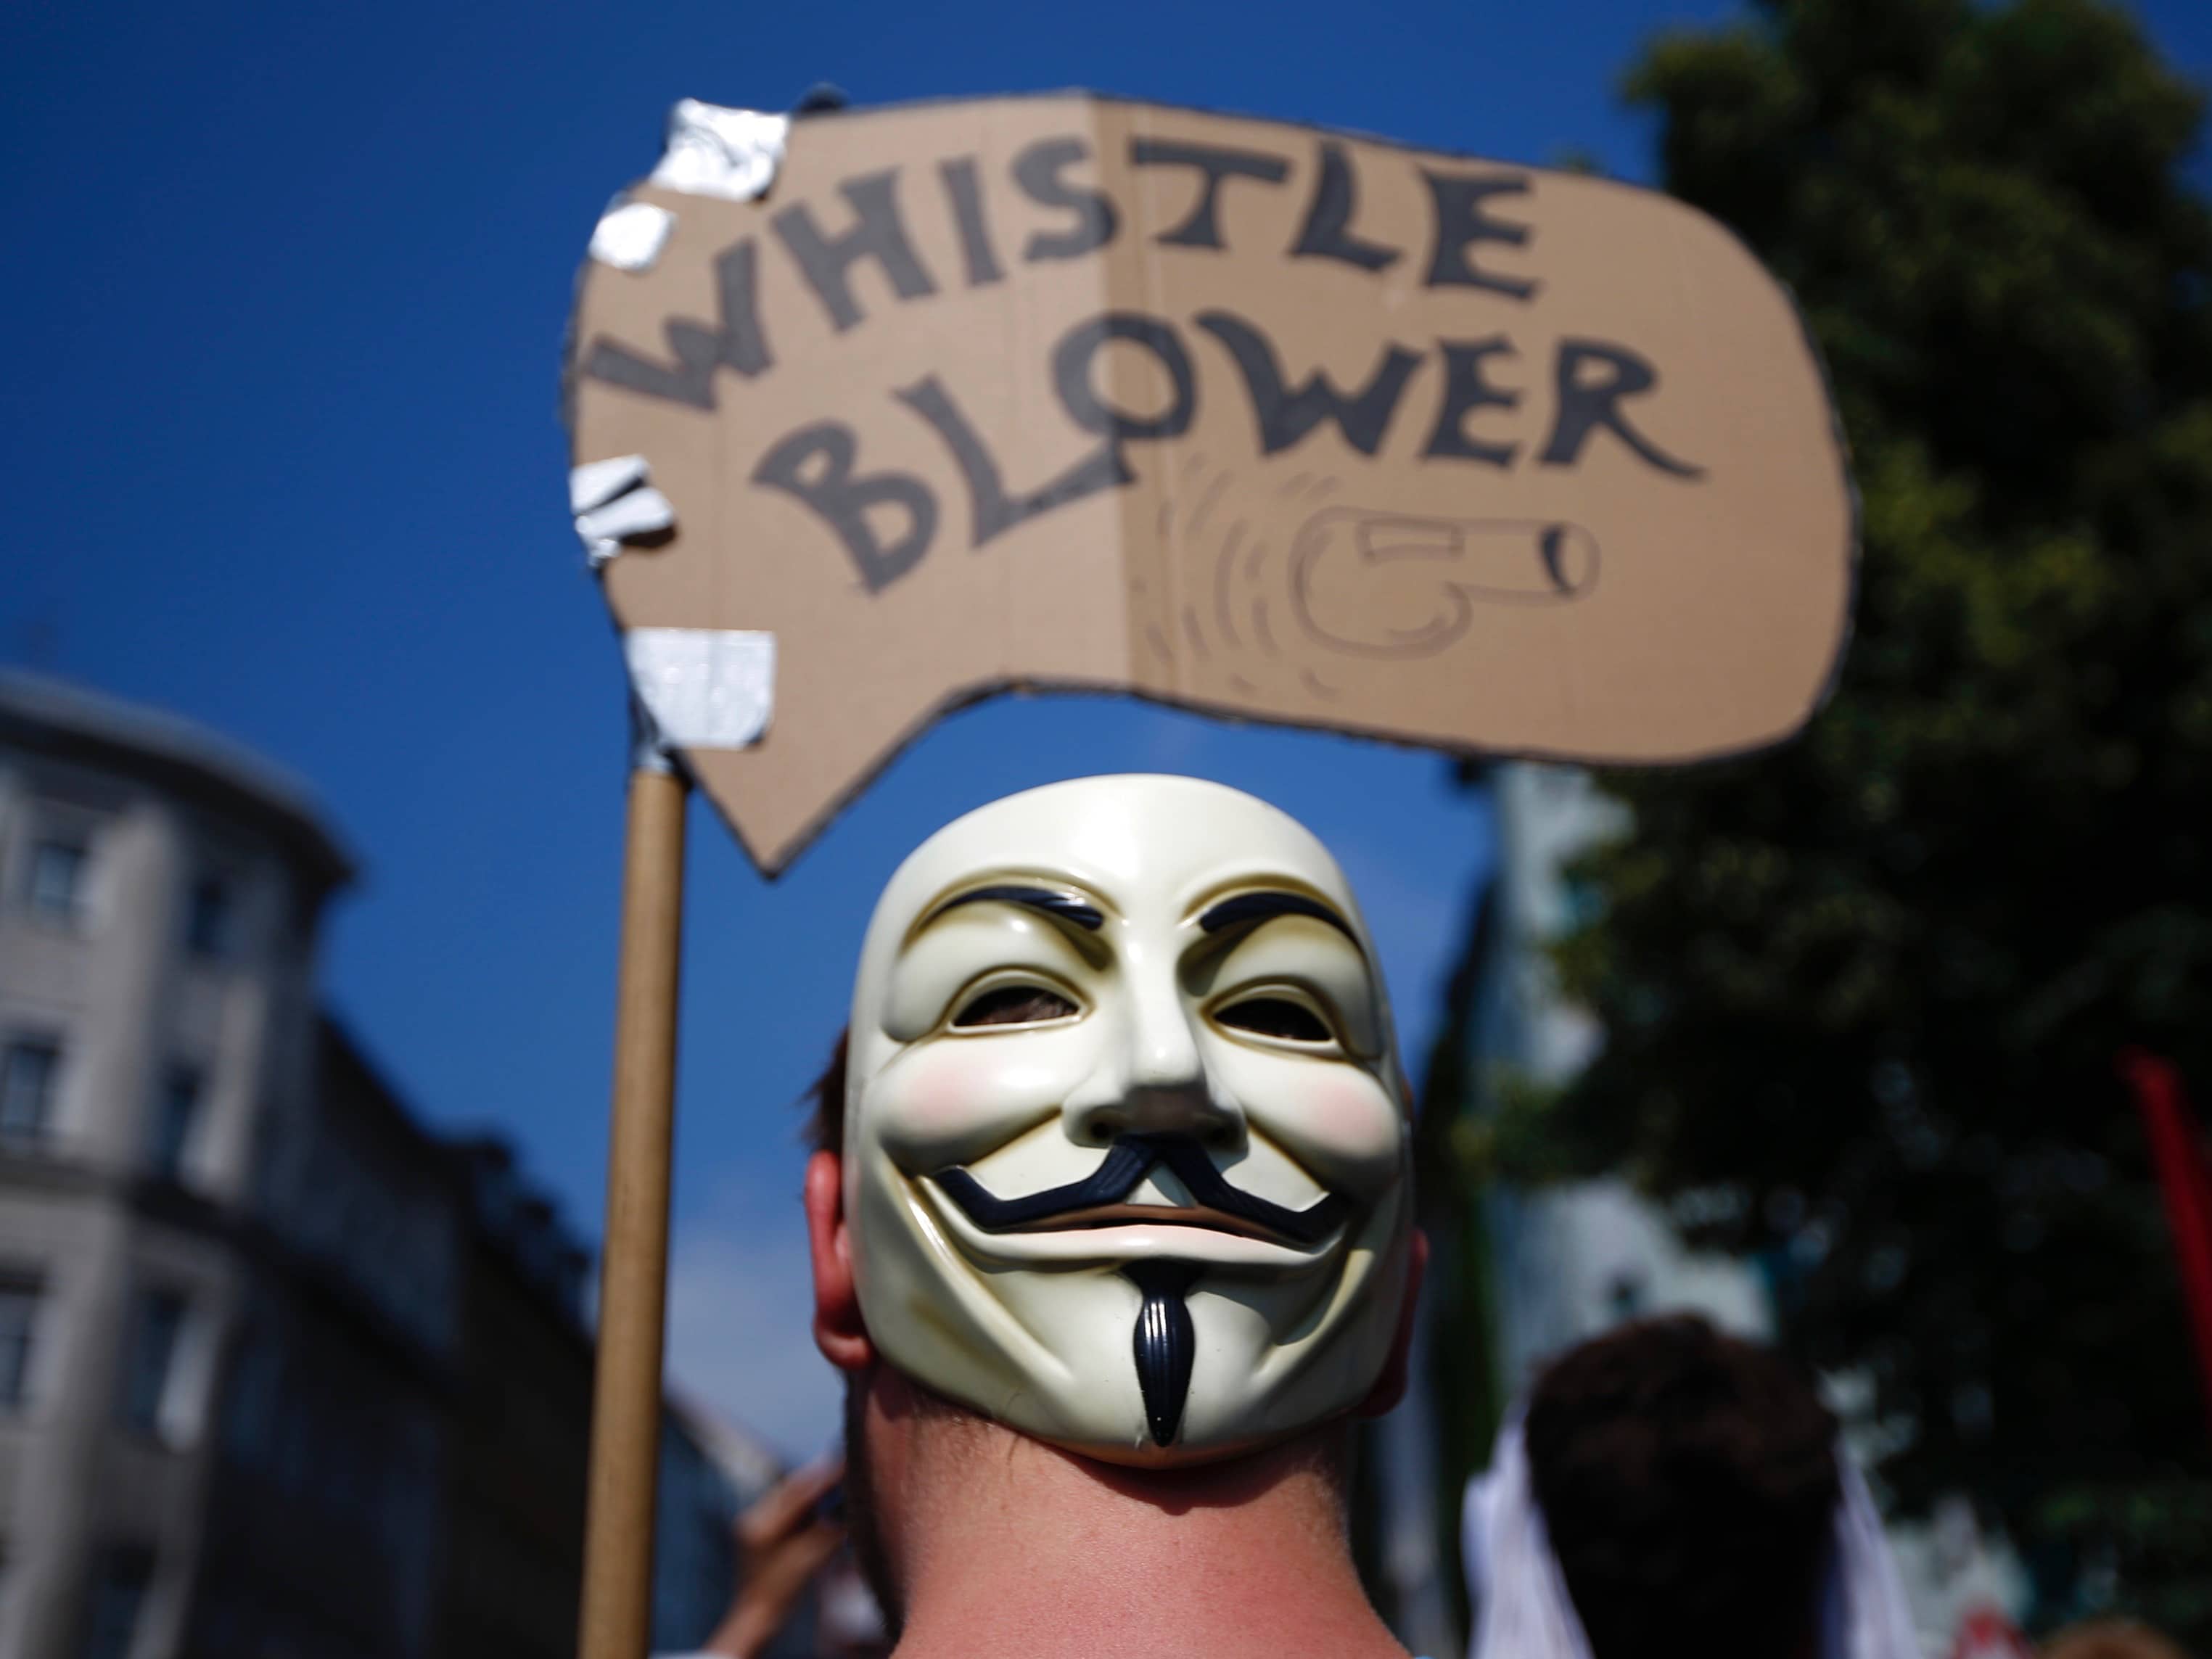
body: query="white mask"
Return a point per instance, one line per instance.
(1126, 1135)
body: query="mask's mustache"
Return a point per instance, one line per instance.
(1127, 1161)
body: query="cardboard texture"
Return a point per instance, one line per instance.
(1249, 418)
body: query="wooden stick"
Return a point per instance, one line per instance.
(616, 1622)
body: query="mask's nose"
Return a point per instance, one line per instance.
(1153, 1079)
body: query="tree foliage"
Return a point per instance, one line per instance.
(1864, 993)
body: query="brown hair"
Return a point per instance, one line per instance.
(1689, 1481)
(824, 1099)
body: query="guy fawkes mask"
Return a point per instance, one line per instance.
(1126, 1134)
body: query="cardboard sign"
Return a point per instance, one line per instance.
(1266, 421)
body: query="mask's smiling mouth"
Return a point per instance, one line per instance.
(1100, 1200)
(1153, 1215)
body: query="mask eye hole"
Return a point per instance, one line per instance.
(1015, 1005)
(1278, 1017)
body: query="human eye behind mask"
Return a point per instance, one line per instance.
(985, 966)
(1015, 1002)
(1293, 979)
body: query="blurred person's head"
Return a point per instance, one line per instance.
(1688, 1483)
(2111, 1638)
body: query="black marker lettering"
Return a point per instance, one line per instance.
(992, 510)
(1285, 416)
(1461, 223)
(815, 464)
(1328, 234)
(1466, 390)
(966, 195)
(737, 342)
(1038, 170)
(1587, 405)
(827, 262)
(1202, 228)
(1073, 359)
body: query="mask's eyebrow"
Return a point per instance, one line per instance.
(1067, 907)
(1259, 907)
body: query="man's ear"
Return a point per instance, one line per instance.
(1390, 1387)
(839, 1330)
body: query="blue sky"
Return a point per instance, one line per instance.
(286, 287)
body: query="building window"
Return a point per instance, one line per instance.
(212, 920)
(176, 1115)
(57, 880)
(29, 1071)
(118, 1596)
(19, 1316)
(250, 1403)
(152, 1357)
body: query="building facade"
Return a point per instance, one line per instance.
(324, 1529)
(282, 1373)
(160, 898)
(1573, 1260)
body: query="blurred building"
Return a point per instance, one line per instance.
(514, 1484)
(1574, 1259)
(709, 1469)
(281, 1371)
(321, 1532)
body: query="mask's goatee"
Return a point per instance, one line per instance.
(1164, 1343)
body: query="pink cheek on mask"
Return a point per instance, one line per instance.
(1349, 1114)
(949, 1091)
(942, 1093)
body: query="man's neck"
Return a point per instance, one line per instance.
(1007, 1548)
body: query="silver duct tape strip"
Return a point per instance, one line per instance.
(630, 235)
(704, 688)
(597, 482)
(640, 513)
(611, 501)
(730, 153)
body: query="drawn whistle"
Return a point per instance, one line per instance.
(1385, 584)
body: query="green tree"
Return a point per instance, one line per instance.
(1864, 993)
